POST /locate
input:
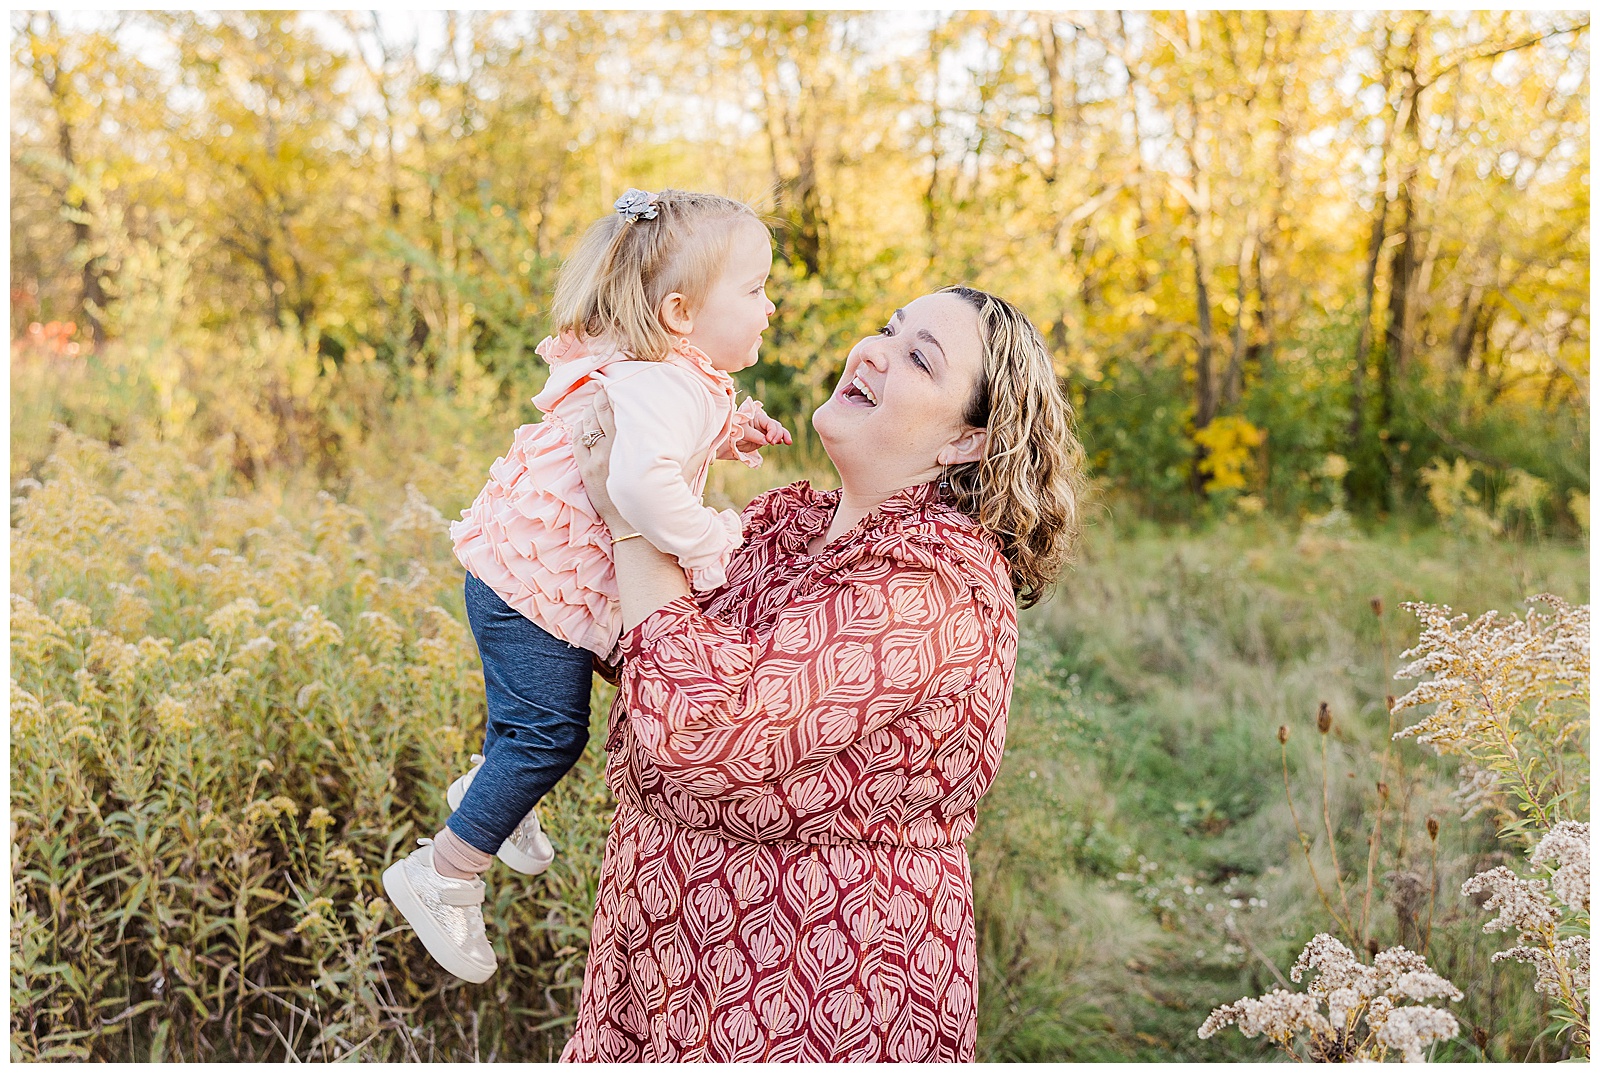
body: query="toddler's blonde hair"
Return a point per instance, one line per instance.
(623, 267)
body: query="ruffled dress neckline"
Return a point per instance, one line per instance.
(818, 507)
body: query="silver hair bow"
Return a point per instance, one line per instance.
(636, 205)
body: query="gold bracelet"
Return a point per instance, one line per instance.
(619, 539)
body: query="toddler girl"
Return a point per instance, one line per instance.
(660, 302)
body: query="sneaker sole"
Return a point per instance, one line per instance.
(438, 945)
(514, 858)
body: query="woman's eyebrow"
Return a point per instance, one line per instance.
(925, 334)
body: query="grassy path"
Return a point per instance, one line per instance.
(1135, 863)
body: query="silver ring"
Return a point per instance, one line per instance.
(592, 437)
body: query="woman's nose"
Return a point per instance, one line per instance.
(872, 353)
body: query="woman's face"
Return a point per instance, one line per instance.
(899, 411)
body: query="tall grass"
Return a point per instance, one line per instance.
(1142, 863)
(241, 682)
(228, 715)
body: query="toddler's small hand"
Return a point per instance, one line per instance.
(762, 431)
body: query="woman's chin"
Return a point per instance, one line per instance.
(828, 419)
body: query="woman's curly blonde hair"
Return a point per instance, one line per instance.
(1027, 488)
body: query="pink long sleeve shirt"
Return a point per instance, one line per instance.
(532, 535)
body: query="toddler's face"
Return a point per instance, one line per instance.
(729, 324)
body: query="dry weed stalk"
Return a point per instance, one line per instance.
(1351, 1012)
(1511, 698)
(224, 724)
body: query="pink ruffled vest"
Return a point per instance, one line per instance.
(532, 535)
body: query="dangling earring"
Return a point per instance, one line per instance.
(944, 482)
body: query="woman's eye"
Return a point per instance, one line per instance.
(921, 363)
(885, 330)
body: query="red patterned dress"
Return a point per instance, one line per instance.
(796, 758)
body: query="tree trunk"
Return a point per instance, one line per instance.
(1232, 382)
(91, 296)
(1051, 45)
(1358, 374)
(1395, 350)
(1199, 210)
(1140, 275)
(930, 195)
(1466, 326)
(1205, 399)
(1267, 244)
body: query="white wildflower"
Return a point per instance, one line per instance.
(229, 618)
(1404, 974)
(1576, 947)
(254, 650)
(1567, 844)
(1476, 790)
(314, 630)
(1485, 671)
(1353, 992)
(1411, 1029)
(1549, 978)
(1336, 968)
(417, 515)
(1522, 903)
(1278, 1014)
(1342, 1003)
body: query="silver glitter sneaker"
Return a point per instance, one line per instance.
(526, 849)
(446, 913)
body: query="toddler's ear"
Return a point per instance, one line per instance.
(676, 314)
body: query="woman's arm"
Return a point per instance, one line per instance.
(647, 578)
(720, 715)
(723, 716)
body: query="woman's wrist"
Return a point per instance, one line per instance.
(647, 579)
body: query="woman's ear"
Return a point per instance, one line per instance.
(967, 447)
(676, 314)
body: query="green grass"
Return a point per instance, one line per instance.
(1143, 735)
(165, 906)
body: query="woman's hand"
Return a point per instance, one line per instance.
(647, 578)
(594, 461)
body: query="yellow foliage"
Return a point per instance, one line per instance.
(1455, 500)
(1228, 443)
(216, 713)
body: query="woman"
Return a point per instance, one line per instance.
(797, 755)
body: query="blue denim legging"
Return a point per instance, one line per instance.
(538, 693)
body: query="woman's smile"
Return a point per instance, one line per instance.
(858, 392)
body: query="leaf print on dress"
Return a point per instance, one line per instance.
(795, 758)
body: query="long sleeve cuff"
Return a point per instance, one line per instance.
(708, 566)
